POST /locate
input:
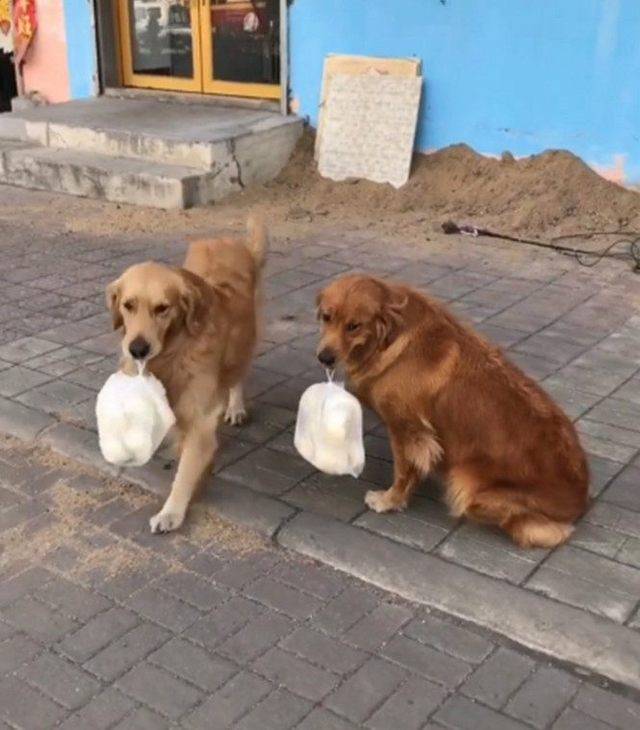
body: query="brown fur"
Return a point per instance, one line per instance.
(200, 324)
(452, 402)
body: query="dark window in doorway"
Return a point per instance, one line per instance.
(246, 41)
(7, 81)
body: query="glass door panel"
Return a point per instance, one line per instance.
(161, 44)
(241, 47)
(212, 46)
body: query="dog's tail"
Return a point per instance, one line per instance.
(257, 239)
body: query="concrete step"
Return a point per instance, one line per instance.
(192, 134)
(118, 179)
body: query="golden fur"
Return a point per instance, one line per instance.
(199, 325)
(452, 402)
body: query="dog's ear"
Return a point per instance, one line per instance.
(113, 303)
(191, 301)
(391, 317)
(319, 297)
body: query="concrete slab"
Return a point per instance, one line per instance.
(120, 180)
(176, 133)
(144, 151)
(197, 122)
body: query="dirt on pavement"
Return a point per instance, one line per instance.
(79, 491)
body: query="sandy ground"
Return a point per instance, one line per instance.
(541, 197)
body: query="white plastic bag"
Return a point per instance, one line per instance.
(329, 429)
(133, 417)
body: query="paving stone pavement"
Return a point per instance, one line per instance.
(105, 626)
(575, 329)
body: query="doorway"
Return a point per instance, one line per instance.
(229, 47)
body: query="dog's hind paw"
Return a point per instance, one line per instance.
(380, 500)
(235, 416)
(165, 522)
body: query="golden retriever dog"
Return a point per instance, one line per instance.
(453, 403)
(195, 329)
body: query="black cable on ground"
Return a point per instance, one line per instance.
(582, 256)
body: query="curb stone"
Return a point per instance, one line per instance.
(243, 506)
(22, 422)
(557, 630)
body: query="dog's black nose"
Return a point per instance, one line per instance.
(139, 348)
(327, 357)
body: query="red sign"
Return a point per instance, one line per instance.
(24, 27)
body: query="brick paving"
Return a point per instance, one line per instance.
(570, 327)
(215, 627)
(575, 329)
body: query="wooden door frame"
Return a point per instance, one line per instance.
(151, 81)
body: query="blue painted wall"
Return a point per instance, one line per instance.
(81, 48)
(518, 75)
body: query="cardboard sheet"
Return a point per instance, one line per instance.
(369, 128)
(357, 66)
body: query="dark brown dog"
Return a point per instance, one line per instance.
(452, 402)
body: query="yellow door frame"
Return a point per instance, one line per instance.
(203, 80)
(211, 85)
(151, 81)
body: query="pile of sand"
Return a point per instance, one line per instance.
(551, 192)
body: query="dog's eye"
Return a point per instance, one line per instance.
(161, 309)
(352, 326)
(326, 317)
(128, 306)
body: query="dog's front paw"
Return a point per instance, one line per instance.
(382, 500)
(166, 521)
(235, 416)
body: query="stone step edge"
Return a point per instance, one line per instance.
(67, 155)
(149, 183)
(139, 145)
(559, 631)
